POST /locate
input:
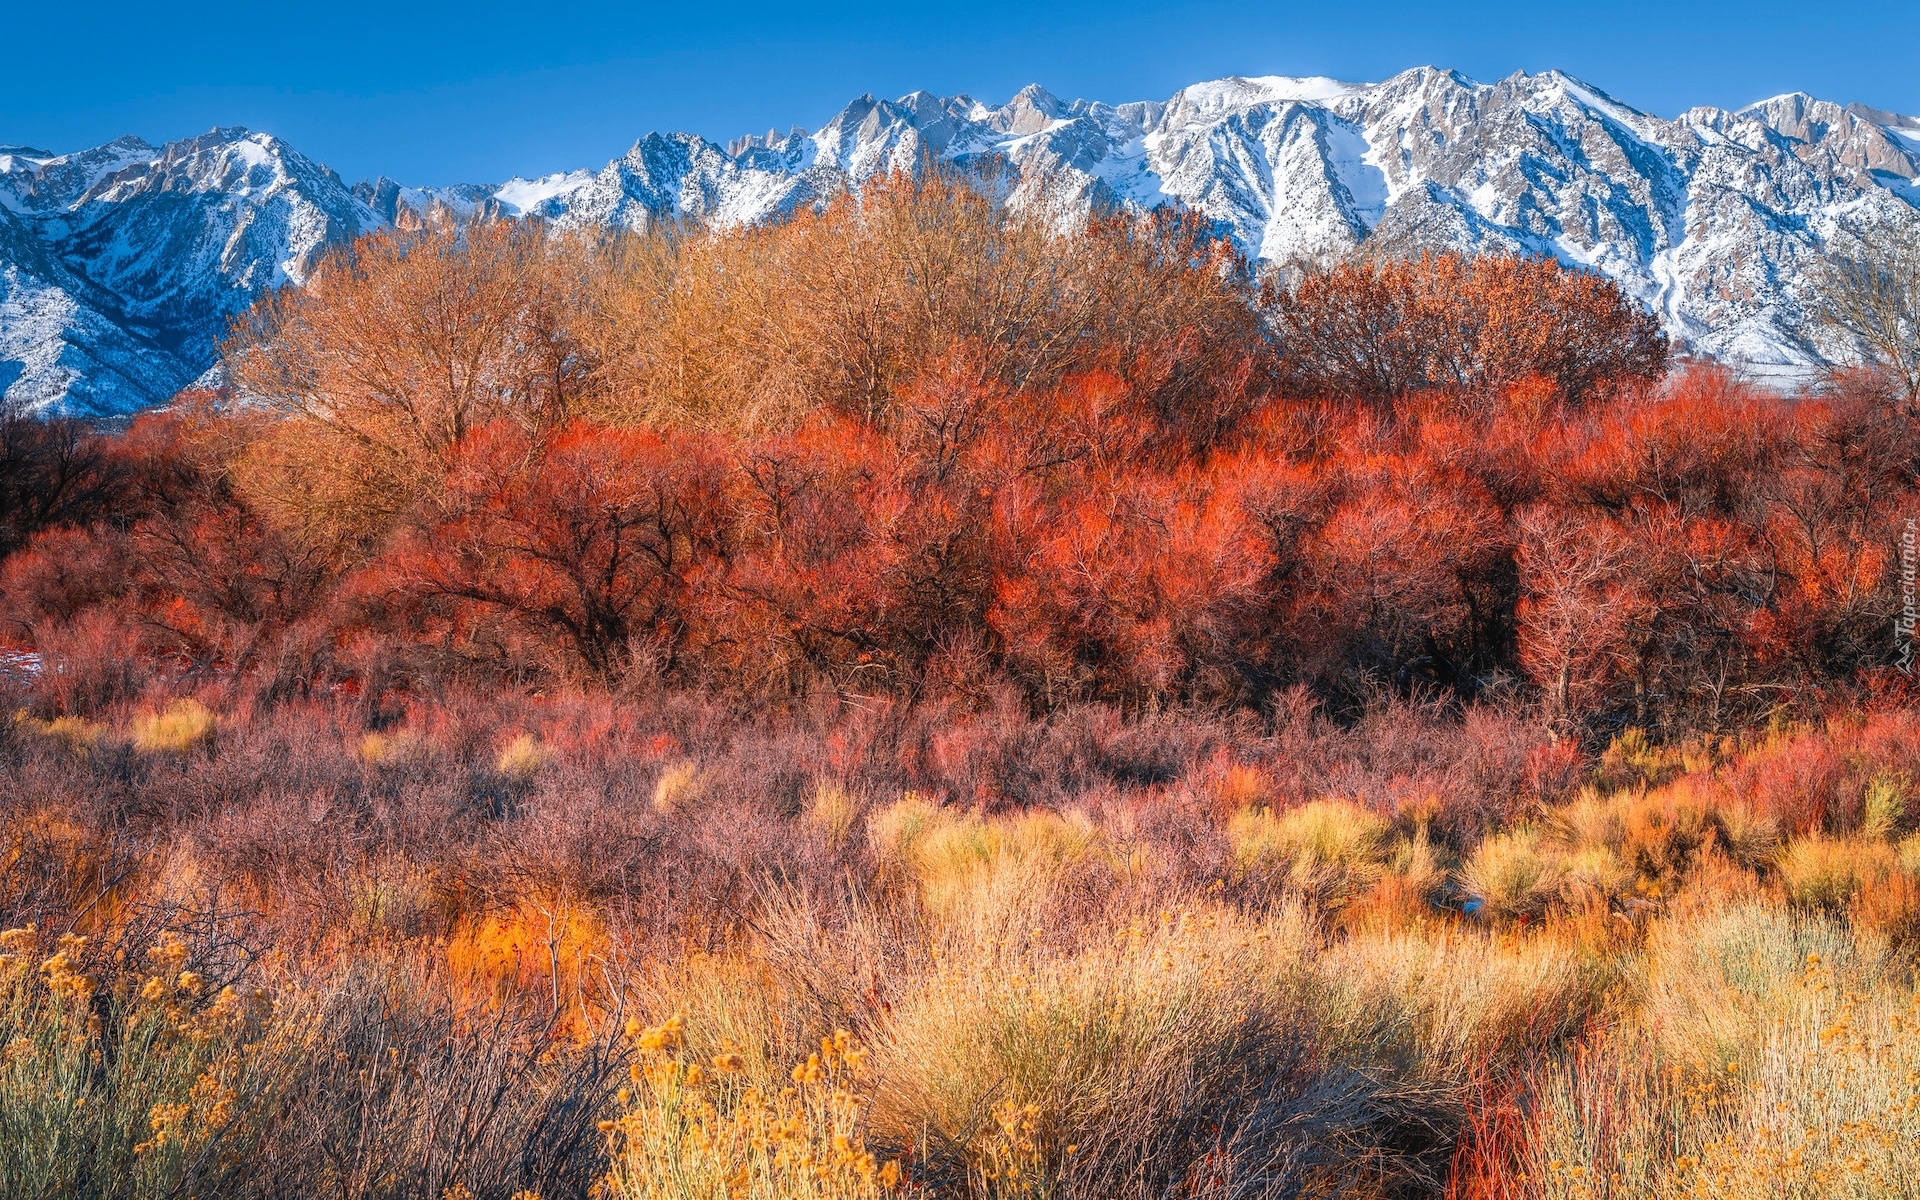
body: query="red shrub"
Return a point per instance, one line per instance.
(592, 541)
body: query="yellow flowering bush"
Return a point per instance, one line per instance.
(153, 1080)
(691, 1130)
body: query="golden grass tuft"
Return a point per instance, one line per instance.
(1769, 1054)
(1404, 895)
(1188, 1008)
(1884, 808)
(1595, 877)
(1327, 849)
(1590, 820)
(1823, 872)
(77, 734)
(679, 788)
(378, 748)
(1751, 837)
(1445, 1002)
(183, 725)
(986, 873)
(834, 811)
(1514, 874)
(1417, 860)
(1908, 854)
(522, 758)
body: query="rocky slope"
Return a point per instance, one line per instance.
(120, 266)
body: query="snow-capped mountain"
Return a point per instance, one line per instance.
(120, 266)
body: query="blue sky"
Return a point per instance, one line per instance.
(432, 92)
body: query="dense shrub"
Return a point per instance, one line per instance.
(1381, 330)
(914, 445)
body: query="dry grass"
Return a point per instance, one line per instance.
(680, 787)
(75, 733)
(1885, 808)
(180, 727)
(1125, 1051)
(1822, 872)
(994, 877)
(834, 811)
(1152, 989)
(1514, 874)
(1327, 849)
(1774, 1055)
(522, 758)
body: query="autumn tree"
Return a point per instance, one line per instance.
(1402, 574)
(591, 541)
(52, 472)
(1378, 330)
(1866, 303)
(1710, 555)
(840, 310)
(394, 352)
(1582, 599)
(1134, 591)
(180, 561)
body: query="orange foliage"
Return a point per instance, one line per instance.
(913, 445)
(595, 538)
(1382, 330)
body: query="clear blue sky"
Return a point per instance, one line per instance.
(432, 92)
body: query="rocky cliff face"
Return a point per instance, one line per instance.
(120, 266)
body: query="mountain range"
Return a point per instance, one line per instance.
(122, 266)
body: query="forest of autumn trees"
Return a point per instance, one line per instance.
(915, 445)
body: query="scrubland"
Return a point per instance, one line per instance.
(911, 703)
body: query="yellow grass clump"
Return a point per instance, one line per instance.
(522, 758)
(76, 733)
(1442, 1003)
(679, 787)
(1883, 808)
(392, 747)
(834, 811)
(1067, 1047)
(1326, 849)
(1751, 837)
(183, 725)
(982, 872)
(1822, 872)
(1514, 874)
(1909, 855)
(1595, 877)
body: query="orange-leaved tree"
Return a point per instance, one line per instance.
(1377, 330)
(397, 349)
(592, 542)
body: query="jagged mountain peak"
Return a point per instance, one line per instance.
(1031, 110)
